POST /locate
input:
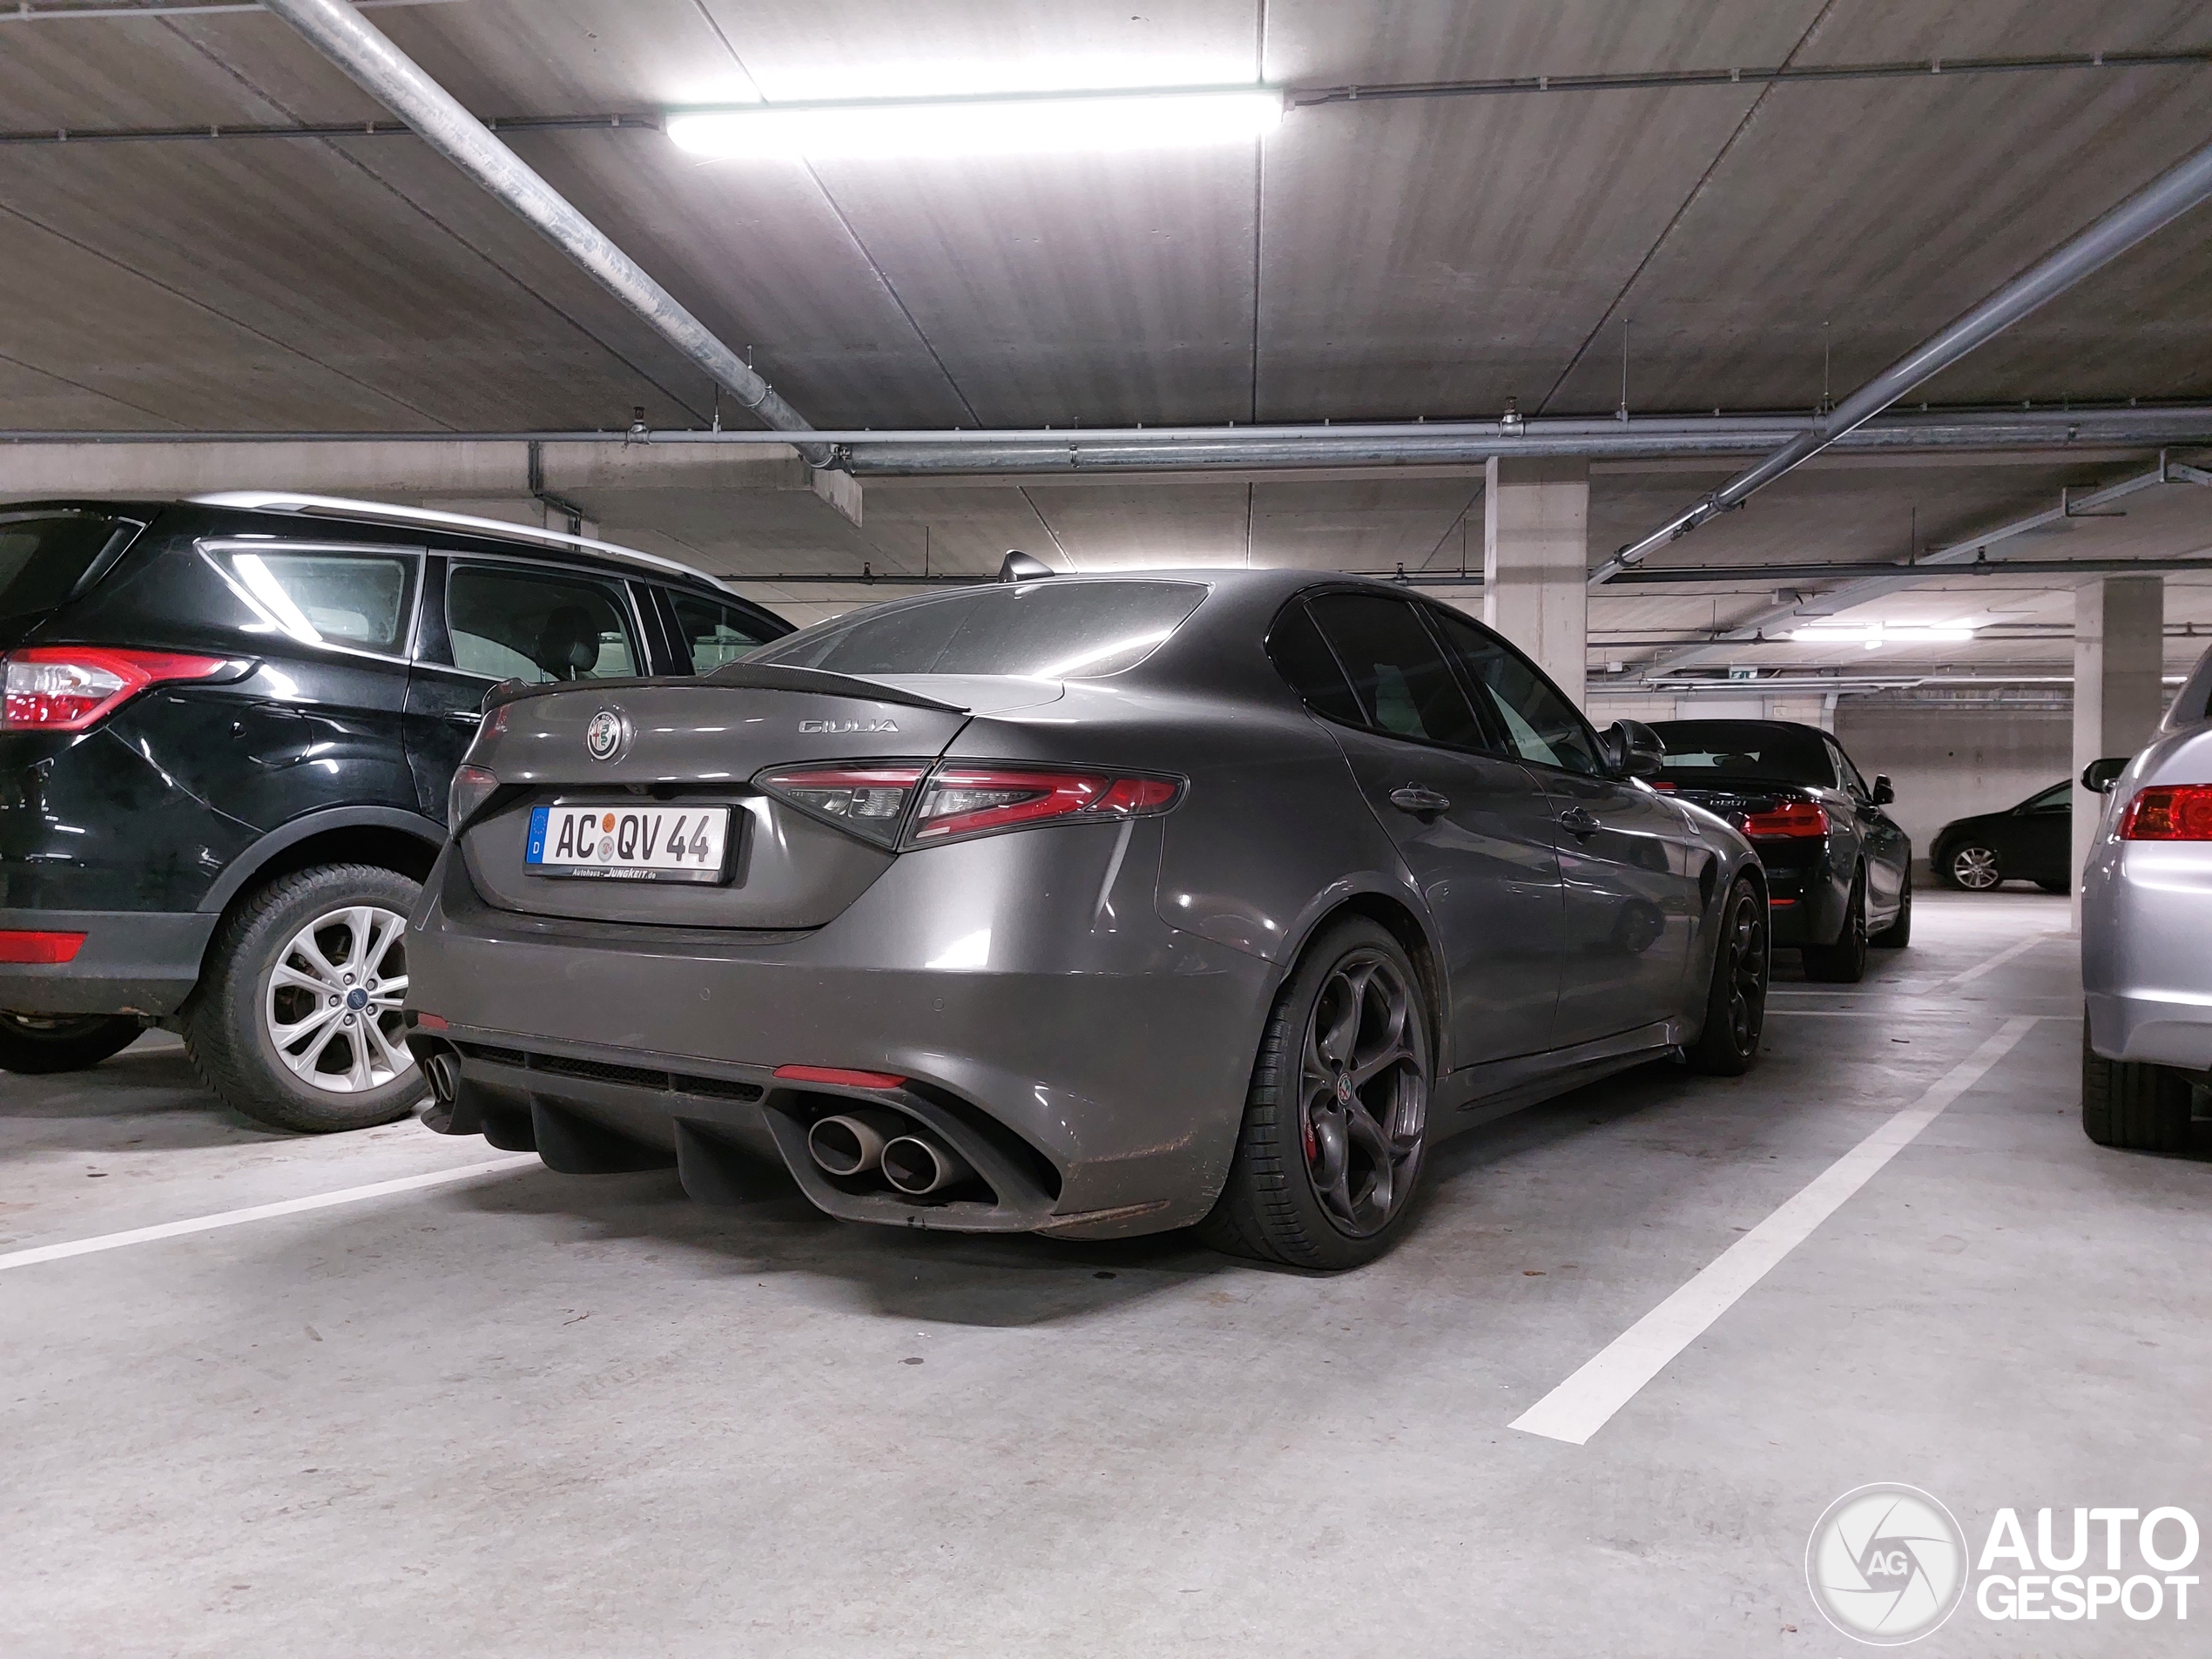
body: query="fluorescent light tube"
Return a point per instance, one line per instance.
(1875, 635)
(1013, 124)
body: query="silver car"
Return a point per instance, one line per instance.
(2146, 915)
(1086, 906)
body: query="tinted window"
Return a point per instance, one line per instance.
(1050, 630)
(1719, 751)
(536, 625)
(2059, 797)
(1845, 770)
(43, 559)
(713, 634)
(1303, 658)
(1397, 670)
(1539, 723)
(322, 596)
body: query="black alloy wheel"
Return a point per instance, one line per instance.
(1844, 961)
(1336, 1123)
(39, 1044)
(1736, 1003)
(1973, 866)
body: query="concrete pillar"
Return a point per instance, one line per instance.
(1536, 560)
(2118, 689)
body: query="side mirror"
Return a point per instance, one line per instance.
(1885, 790)
(1630, 749)
(2099, 776)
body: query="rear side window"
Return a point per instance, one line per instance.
(1398, 671)
(1047, 630)
(713, 634)
(325, 596)
(1304, 660)
(43, 557)
(536, 625)
(1539, 723)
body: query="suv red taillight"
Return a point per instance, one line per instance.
(1792, 820)
(2170, 812)
(67, 687)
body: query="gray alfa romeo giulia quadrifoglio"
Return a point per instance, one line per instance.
(1083, 905)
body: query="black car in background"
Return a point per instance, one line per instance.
(2032, 841)
(229, 728)
(1840, 872)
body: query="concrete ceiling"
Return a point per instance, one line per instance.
(1381, 259)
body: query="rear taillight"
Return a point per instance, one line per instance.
(67, 688)
(472, 787)
(975, 800)
(1792, 820)
(43, 948)
(870, 800)
(2170, 812)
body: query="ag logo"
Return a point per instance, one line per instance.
(1886, 1564)
(602, 738)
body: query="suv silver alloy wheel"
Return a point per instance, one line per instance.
(1975, 869)
(333, 1008)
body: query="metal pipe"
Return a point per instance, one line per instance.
(2149, 211)
(397, 82)
(1027, 451)
(918, 1164)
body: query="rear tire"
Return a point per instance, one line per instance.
(33, 1045)
(1736, 996)
(1326, 1168)
(1844, 961)
(293, 957)
(2132, 1105)
(1899, 934)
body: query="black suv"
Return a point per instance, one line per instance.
(229, 729)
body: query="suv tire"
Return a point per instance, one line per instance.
(1279, 1203)
(37, 1044)
(2133, 1105)
(310, 954)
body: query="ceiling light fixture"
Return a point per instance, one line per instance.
(1003, 123)
(1875, 635)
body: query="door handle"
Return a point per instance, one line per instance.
(1422, 803)
(1578, 822)
(469, 717)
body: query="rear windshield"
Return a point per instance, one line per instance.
(1044, 630)
(43, 557)
(1743, 752)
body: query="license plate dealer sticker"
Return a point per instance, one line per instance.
(630, 844)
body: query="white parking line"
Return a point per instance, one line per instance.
(1998, 961)
(259, 1212)
(1586, 1401)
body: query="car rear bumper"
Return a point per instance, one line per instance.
(1090, 1061)
(2146, 976)
(132, 961)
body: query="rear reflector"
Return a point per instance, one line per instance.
(67, 687)
(38, 947)
(1790, 821)
(975, 800)
(840, 1077)
(430, 1022)
(2170, 812)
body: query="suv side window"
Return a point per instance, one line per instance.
(711, 634)
(1541, 725)
(327, 596)
(1405, 687)
(511, 622)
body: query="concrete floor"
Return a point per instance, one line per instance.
(533, 1415)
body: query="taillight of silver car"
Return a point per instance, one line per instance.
(68, 688)
(2170, 812)
(957, 801)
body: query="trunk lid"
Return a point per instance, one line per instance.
(698, 743)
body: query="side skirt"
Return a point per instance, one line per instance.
(1484, 1093)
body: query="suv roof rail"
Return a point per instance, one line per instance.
(285, 500)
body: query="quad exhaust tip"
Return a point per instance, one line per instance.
(444, 1073)
(852, 1143)
(920, 1165)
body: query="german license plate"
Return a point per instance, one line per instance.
(629, 843)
